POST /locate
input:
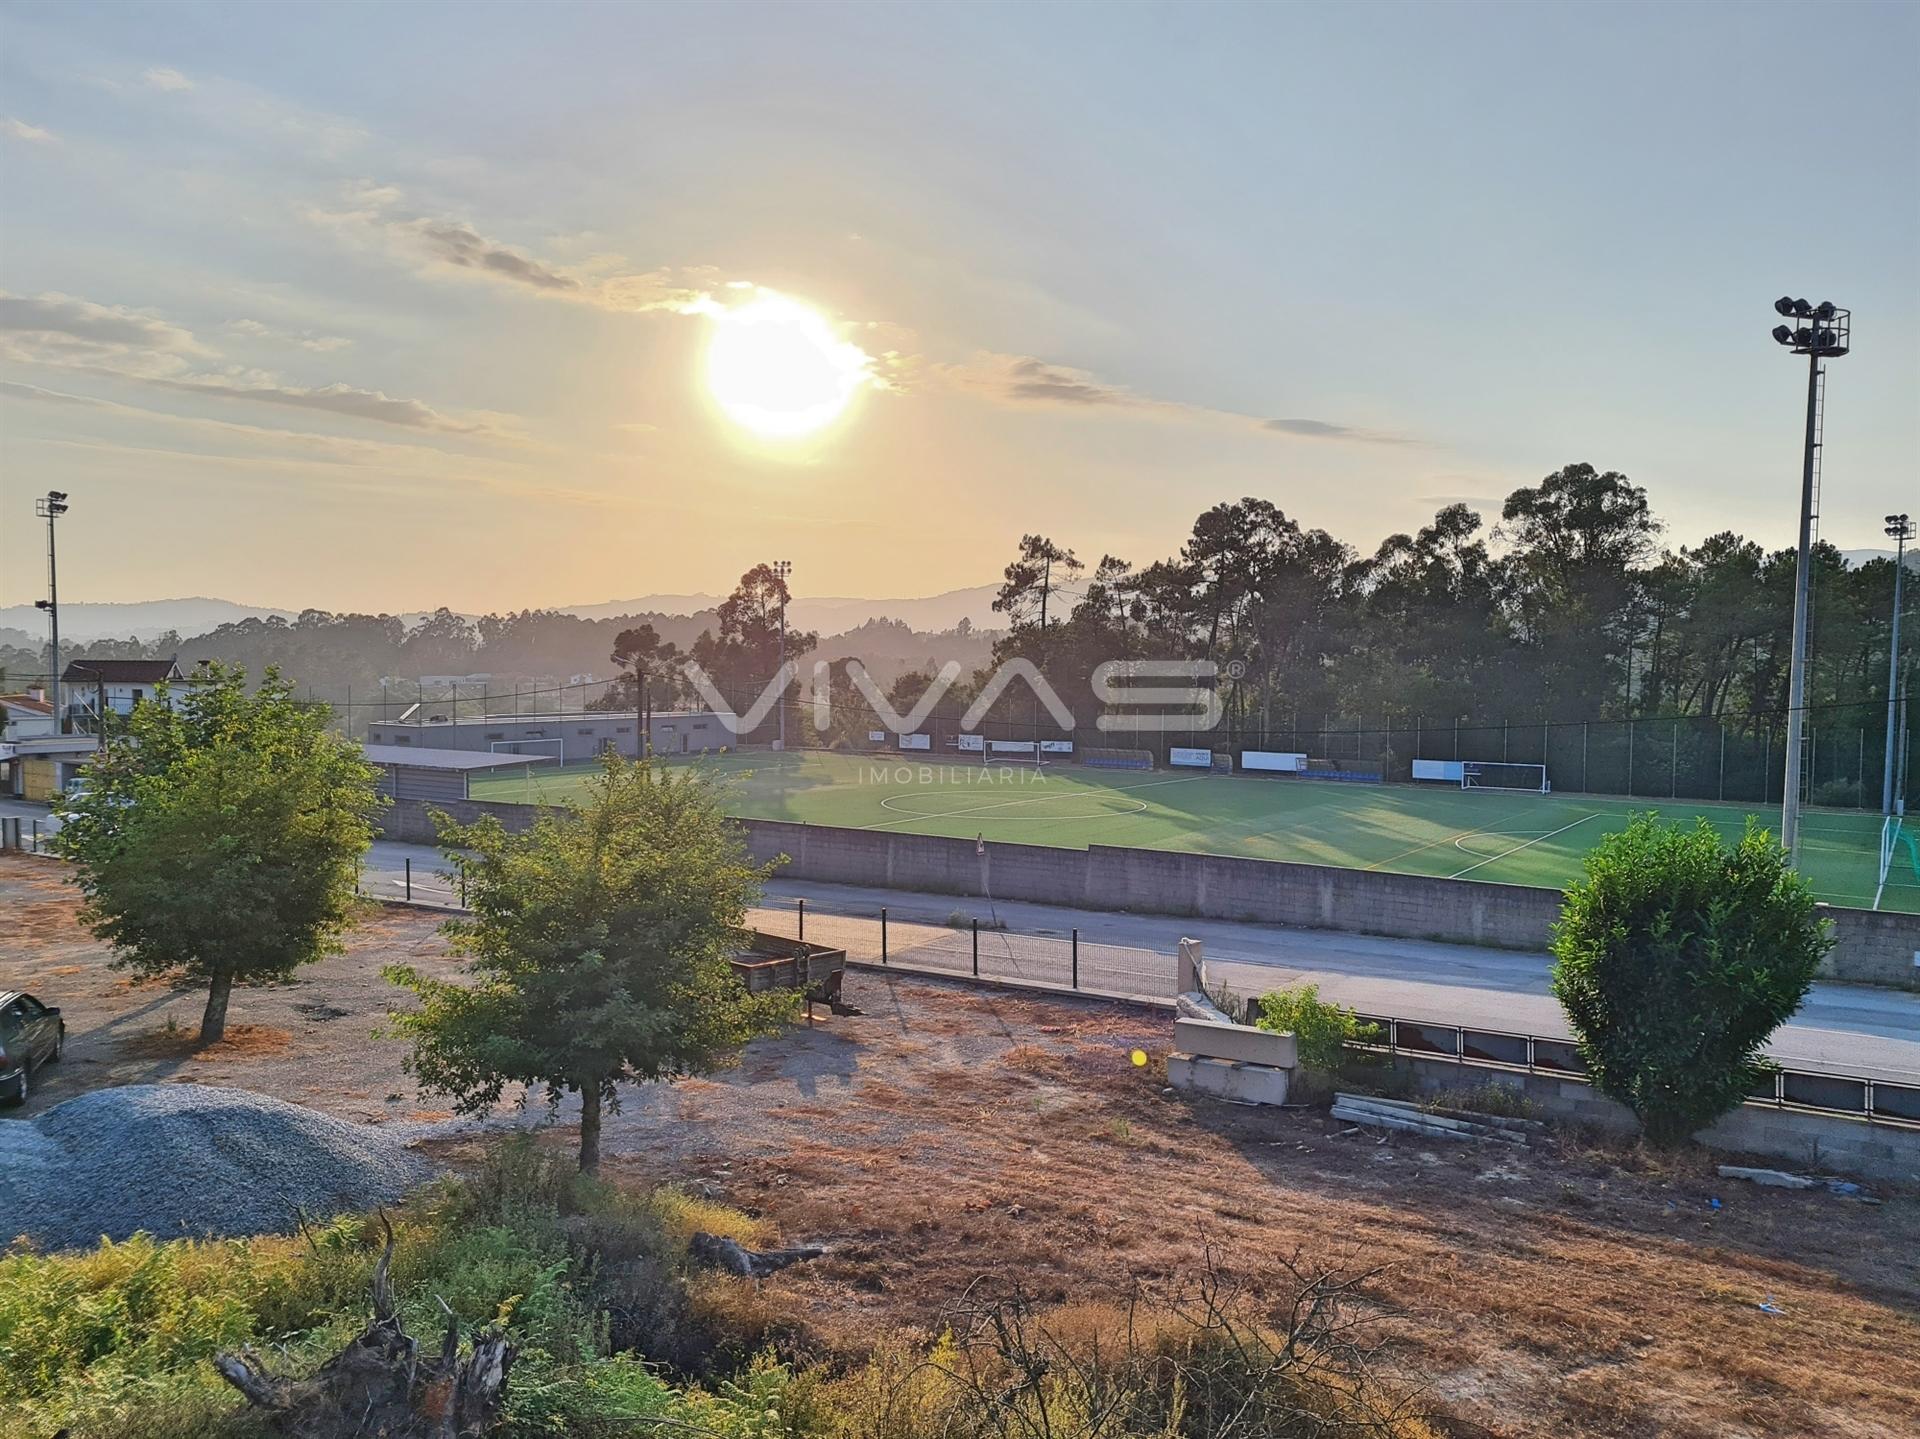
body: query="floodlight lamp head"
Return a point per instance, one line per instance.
(1783, 335)
(1784, 305)
(1802, 309)
(1823, 310)
(1803, 336)
(56, 494)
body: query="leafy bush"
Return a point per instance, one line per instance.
(1321, 1031)
(1674, 959)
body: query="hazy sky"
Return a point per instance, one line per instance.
(387, 306)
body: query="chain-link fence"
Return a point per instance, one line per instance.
(976, 946)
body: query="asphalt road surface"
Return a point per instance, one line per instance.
(1845, 1028)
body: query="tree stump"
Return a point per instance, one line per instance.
(379, 1385)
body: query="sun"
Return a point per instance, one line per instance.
(777, 369)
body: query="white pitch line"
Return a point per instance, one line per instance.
(1518, 847)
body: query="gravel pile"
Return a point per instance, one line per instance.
(188, 1160)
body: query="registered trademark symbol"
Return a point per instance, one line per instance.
(1236, 669)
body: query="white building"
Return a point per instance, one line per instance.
(87, 686)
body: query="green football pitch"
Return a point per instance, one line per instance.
(1528, 839)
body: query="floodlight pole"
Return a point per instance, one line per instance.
(781, 569)
(1802, 596)
(50, 509)
(1900, 528)
(1824, 334)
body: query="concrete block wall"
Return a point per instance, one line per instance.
(1872, 948)
(1796, 1139)
(1320, 897)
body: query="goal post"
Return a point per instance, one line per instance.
(1500, 775)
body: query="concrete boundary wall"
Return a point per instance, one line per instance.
(1827, 1143)
(1872, 948)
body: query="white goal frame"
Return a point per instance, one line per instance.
(1505, 777)
(558, 752)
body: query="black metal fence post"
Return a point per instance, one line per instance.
(409, 863)
(803, 919)
(976, 949)
(1076, 959)
(883, 934)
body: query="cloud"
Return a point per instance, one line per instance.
(1025, 380)
(337, 399)
(1028, 379)
(21, 130)
(306, 339)
(124, 344)
(55, 329)
(1327, 430)
(162, 78)
(368, 216)
(458, 245)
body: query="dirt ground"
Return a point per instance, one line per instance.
(949, 1133)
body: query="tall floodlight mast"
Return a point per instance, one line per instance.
(781, 569)
(1899, 530)
(50, 509)
(1820, 332)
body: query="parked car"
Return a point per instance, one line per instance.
(31, 1034)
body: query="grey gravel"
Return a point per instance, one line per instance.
(177, 1160)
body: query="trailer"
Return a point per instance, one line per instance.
(773, 961)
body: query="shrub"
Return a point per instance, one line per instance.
(1675, 958)
(1321, 1031)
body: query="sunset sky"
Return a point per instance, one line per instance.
(384, 307)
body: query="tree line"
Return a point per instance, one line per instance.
(1567, 608)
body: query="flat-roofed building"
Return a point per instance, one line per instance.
(566, 738)
(407, 772)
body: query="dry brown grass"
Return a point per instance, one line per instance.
(1582, 1290)
(241, 1041)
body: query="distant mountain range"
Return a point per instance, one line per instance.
(832, 615)
(147, 619)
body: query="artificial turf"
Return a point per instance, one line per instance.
(1529, 839)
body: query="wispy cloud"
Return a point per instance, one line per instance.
(341, 449)
(371, 215)
(335, 399)
(457, 245)
(306, 340)
(1025, 380)
(1328, 430)
(61, 329)
(160, 77)
(20, 130)
(124, 344)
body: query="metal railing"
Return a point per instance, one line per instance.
(1877, 1101)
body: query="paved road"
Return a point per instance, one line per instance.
(1842, 1027)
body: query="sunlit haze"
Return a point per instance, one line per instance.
(359, 308)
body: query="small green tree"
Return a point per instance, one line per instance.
(220, 839)
(599, 942)
(1321, 1031)
(1675, 958)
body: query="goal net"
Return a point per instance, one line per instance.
(534, 749)
(1515, 778)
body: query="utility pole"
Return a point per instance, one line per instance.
(781, 569)
(1899, 530)
(1827, 335)
(50, 509)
